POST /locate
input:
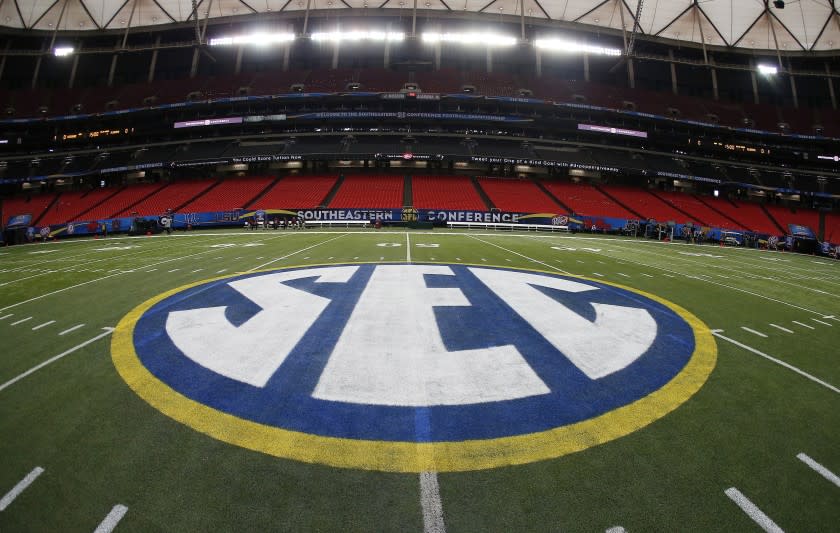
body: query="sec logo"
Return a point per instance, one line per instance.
(412, 367)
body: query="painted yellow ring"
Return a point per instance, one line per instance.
(392, 456)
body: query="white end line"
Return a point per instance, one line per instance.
(803, 325)
(21, 486)
(786, 330)
(55, 358)
(431, 504)
(74, 328)
(821, 322)
(752, 511)
(407, 248)
(754, 332)
(21, 321)
(110, 522)
(45, 324)
(819, 469)
(716, 333)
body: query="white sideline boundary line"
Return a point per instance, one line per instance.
(803, 325)
(717, 333)
(819, 469)
(514, 253)
(112, 519)
(21, 486)
(51, 360)
(293, 253)
(754, 332)
(74, 328)
(752, 511)
(430, 503)
(786, 330)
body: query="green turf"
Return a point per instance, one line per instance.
(101, 445)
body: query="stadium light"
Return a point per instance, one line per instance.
(562, 45)
(768, 70)
(338, 36)
(63, 51)
(483, 38)
(256, 39)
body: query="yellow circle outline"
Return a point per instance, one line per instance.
(391, 456)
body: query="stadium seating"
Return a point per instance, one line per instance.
(647, 204)
(117, 203)
(518, 196)
(369, 192)
(22, 205)
(802, 217)
(832, 228)
(446, 192)
(172, 196)
(748, 215)
(701, 212)
(230, 194)
(585, 199)
(296, 192)
(71, 204)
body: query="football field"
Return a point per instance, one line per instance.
(134, 395)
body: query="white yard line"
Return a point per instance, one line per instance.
(520, 255)
(786, 330)
(291, 254)
(21, 486)
(623, 274)
(819, 469)
(7, 316)
(711, 282)
(616, 529)
(407, 248)
(45, 324)
(752, 511)
(55, 358)
(821, 322)
(717, 333)
(21, 321)
(222, 271)
(803, 325)
(598, 274)
(430, 503)
(99, 279)
(648, 275)
(110, 522)
(74, 328)
(754, 332)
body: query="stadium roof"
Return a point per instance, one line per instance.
(802, 25)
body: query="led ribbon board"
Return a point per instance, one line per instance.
(412, 367)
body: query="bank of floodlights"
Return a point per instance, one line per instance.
(473, 38)
(255, 39)
(572, 47)
(358, 36)
(63, 51)
(768, 70)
